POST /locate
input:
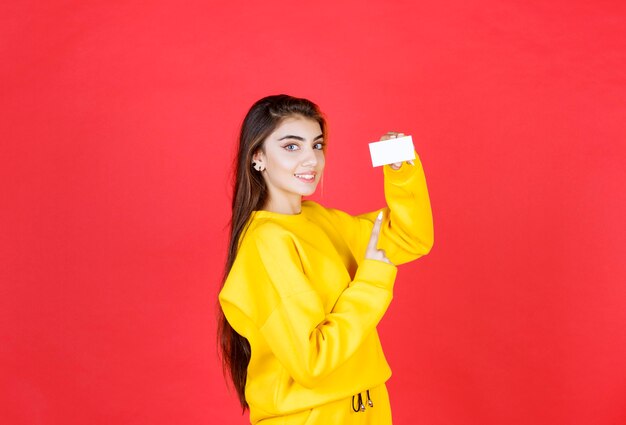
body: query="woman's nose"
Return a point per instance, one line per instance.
(310, 158)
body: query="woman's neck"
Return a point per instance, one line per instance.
(284, 206)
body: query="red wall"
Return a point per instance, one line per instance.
(118, 122)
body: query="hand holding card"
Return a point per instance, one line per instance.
(393, 150)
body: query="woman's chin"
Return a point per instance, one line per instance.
(308, 192)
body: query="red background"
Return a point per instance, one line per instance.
(118, 123)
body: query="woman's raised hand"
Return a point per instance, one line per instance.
(393, 135)
(373, 253)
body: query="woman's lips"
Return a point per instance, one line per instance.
(306, 177)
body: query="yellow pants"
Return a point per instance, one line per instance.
(340, 412)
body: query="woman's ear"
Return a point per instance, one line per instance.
(258, 160)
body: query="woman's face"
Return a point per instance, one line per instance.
(293, 158)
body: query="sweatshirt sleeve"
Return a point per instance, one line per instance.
(308, 341)
(407, 229)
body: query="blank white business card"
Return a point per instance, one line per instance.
(393, 150)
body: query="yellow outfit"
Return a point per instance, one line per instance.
(308, 302)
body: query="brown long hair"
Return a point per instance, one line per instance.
(250, 194)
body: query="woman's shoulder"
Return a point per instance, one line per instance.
(260, 231)
(267, 230)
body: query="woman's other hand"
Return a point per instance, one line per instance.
(393, 135)
(373, 253)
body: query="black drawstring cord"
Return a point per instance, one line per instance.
(360, 407)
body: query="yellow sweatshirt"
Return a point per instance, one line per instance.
(304, 296)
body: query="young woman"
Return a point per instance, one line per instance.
(306, 285)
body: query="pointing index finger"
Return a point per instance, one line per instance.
(376, 231)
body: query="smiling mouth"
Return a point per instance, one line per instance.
(306, 177)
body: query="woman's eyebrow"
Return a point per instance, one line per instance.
(291, 136)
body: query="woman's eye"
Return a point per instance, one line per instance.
(291, 147)
(319, 146)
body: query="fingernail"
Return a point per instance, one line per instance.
(380, 216)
